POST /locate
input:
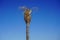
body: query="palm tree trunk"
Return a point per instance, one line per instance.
(27, 31)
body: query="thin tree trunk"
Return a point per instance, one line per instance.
(27, 31)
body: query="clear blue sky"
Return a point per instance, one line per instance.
(45, 24)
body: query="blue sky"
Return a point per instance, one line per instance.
(45, 23)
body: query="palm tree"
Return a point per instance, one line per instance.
(27, 18)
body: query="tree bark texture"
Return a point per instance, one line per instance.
(27, 31)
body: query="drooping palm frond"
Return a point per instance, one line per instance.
(34, 8)
(22, 7)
